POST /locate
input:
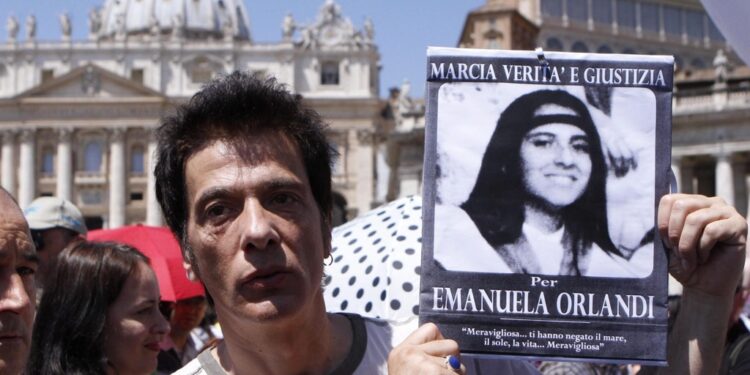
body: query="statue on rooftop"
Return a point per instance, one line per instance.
(154, 29)
(405, 103)
(30, 27)
(120, 30)
(330, 11)
(308, 38)
(95, 23)
(721, 67)
(369, 30)
(12, 27)
(177, 27)
(65, 26)
(227, 26)
(287, 27)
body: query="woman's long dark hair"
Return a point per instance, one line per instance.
(496, 205)
(68, 333)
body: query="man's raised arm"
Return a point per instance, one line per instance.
(706, 238)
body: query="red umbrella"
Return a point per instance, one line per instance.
(163, 251)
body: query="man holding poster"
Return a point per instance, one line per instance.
(542, 190)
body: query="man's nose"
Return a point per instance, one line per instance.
(13, 296)
(258, 230)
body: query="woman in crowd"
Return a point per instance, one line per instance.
(539, 200)
(99, 314)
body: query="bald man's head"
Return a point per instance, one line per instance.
(8, 206)
(18, 263)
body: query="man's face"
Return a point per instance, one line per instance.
(187, 314)
(17, 292)
(53, 242)
(255, 229)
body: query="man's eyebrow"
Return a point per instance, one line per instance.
(30, 256)
(283, 183)
(212, 193)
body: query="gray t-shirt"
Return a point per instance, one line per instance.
(372, 341)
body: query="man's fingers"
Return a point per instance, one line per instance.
(732, 230)
(692, 225)
(692, 234)
(673, 211)
(424, 351)
(441, 348)
(426, 333)
(662, 215)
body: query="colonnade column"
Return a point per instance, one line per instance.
(153, 211)
(64, 164)
(9, 170)
(724, 178)
(364, 165)
(27, 167)
(117, 183)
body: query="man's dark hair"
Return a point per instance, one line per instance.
(68, 336)
(234, 109)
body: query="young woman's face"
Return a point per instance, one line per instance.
(135, 326)
(556, 163)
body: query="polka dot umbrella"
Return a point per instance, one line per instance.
(376, 261)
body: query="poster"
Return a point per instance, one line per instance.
(541, 182)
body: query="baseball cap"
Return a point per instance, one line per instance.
(53, 212)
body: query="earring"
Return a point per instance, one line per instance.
(330, 260)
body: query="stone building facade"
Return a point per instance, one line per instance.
(77, 117)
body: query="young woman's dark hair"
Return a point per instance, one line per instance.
(496, 204)
(69, 328)
(234, 109)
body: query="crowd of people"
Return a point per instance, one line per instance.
(244, 181)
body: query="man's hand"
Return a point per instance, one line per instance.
(706, 238)
(707, 241)
(424, 352)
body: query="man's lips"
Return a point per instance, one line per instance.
(265, 278)
(153, 346)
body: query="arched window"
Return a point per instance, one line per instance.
(554, 44)
(48, 161)
(579, 47)
(604, 49)
(92, 157)
(329, 73)
(136, 160)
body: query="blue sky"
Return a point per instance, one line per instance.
(403, 29)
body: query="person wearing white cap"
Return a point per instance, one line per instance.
(55, 223)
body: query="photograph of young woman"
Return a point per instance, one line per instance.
(539, 202)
